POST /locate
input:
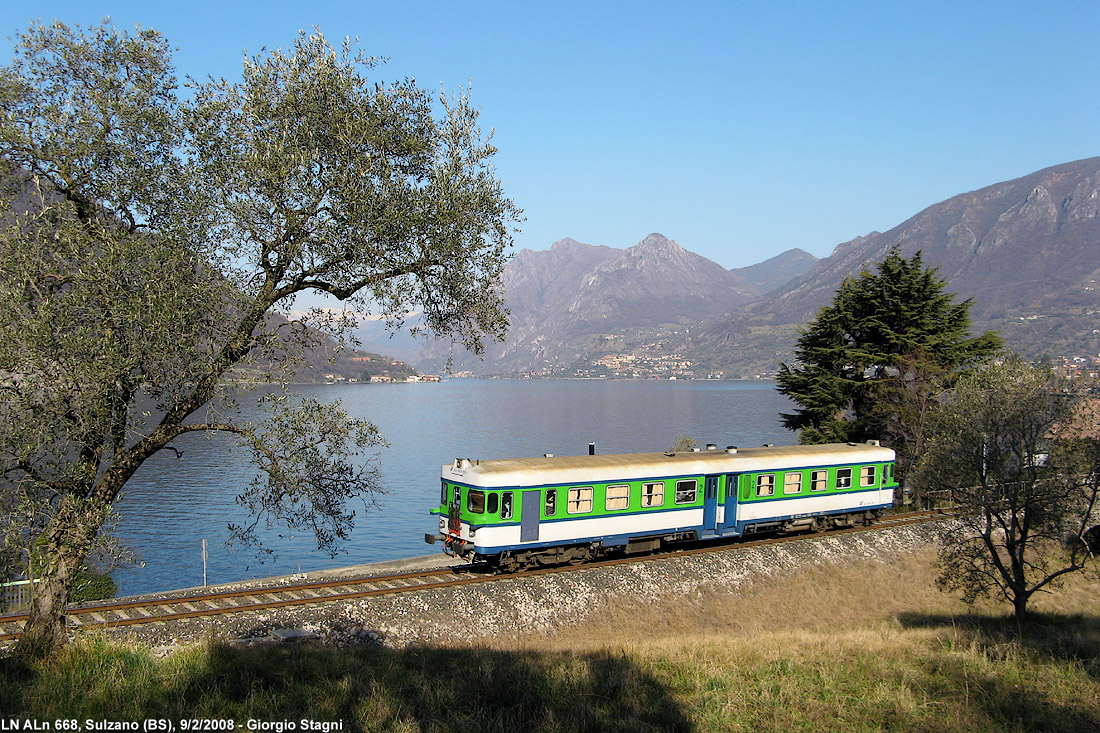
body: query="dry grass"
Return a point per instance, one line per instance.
(871, 645)
(860, 595)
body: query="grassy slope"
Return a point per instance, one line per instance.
(870, 646)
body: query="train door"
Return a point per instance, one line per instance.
(730, 519)
(529, 516)
(710, 503)
(454, 513)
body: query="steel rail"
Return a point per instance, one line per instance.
(163, 609)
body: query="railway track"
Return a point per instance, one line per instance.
(159, 610)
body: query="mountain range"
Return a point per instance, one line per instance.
(1026, 251)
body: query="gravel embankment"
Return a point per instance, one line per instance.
(539, 604)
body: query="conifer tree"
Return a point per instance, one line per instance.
(874, 350)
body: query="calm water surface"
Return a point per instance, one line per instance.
(173, 503)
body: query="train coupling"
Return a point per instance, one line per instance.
(457, 548)
(432, 538)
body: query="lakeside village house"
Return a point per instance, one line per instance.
(381, 370)
(381, 379)
(1078, 367)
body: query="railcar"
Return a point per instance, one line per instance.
(523, 512)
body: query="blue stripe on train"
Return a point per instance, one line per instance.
(616, 540)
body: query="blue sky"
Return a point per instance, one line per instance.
(738, 129)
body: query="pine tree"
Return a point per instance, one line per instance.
(874, 349)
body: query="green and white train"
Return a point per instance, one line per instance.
(523, 512)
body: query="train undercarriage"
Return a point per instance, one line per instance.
(578, 554)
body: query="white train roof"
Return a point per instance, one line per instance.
(544, 470)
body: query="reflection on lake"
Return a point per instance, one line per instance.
(172, 503)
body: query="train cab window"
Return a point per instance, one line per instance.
(550, 508)
(844, 478)
(443, 492)
(506, 505)
(580, 500)
(765, 484)
(618, 496)
(819, 480)
(685, 491)
(867, 476)
(653, 494)
(475, 502)
(887, 472)
(494, 503)
(458, 495)
(792, 482)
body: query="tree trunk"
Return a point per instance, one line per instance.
(60, 554)
(1019, 606)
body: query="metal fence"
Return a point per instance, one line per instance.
(15, 596)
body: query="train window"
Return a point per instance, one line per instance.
(618, 496)
(887, 471)
(653, 494)
(765, 484)
(475, 501)
(494, 502)
(867, 476)
(551, 506)
(506, 505)
(819, 480)
(443, 493)
(685, 491)
(580, 500)
(844, 478)
(458, 495)
(792, 482)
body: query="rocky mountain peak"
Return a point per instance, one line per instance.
(1024, 250)
(566, 244)
(655, 243)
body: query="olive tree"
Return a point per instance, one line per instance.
(1021, 458)
(157, 240)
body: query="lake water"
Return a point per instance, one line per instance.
(172, 503)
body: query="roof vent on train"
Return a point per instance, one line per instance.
(731, 449)
(712, 446)
(547, 455)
